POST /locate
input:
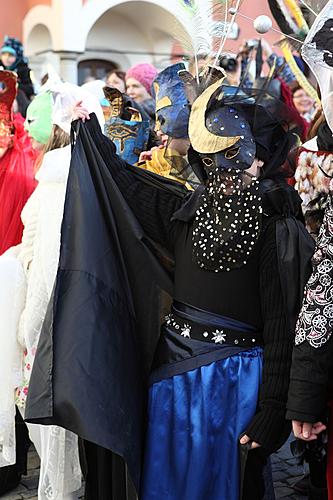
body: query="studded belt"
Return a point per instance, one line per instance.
(215, 329)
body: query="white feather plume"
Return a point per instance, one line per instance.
(199, 27)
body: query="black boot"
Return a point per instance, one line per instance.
(10, 476)
(317, 478)
(317, 493)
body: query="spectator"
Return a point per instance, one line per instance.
(116, 79)
(139, 80)
(304, 104)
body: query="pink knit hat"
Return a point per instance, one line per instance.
(144, 73)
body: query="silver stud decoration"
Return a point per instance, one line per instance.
(227, 222)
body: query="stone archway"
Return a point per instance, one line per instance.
(131, 31)
(39, 39)
(123, 32)
(39, 49)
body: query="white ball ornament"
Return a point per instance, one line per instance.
(262, 24)
(232, 11)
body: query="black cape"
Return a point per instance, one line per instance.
(103, 321)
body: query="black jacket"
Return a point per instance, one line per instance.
(312, 366)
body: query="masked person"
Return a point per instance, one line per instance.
(127, 125)
(172, 117)
(310, 393)
(183, 386)
(25, 279)
(19, 163)
(219, 375)
(16, 166)
(312, 179)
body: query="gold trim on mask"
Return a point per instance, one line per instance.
(164, 101)
(208, 162)
(116, 101)
(157, 125)
(135, 115)
(231, 153)
(201, 139)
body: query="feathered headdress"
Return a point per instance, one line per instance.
(293, 23)
(206, 25)
(289, 17)
(318, 54)
(8, 83)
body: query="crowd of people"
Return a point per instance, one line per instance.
(166, 265)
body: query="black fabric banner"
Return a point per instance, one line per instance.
(102, 324)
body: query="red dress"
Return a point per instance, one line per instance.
(17, 182)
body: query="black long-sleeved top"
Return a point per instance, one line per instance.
(251, 294)
(312, 366)
(310, 382)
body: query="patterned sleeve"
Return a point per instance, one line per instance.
(315, 321)
(312, 362)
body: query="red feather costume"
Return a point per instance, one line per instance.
(16, 165)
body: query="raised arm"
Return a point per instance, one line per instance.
(152, 198)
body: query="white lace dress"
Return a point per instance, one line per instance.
(60, 473)
(12, 299)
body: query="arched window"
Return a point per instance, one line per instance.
(94, 69)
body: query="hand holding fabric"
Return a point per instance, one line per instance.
(307, 431)
(145, 155)
(80, 113)
(246, 439)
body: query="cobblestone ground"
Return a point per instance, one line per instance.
(27, 490)
(28, 487)
(285, 473)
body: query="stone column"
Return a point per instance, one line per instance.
(69, 66)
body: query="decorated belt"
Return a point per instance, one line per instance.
(193, 323)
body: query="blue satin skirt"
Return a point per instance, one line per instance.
(195, 420)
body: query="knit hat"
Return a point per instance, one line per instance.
(144, 73)
(8, 50)
(15, 44)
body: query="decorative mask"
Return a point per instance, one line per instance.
(222, 136)
(172, 107)
(240, 155)
(227, 221)
(8, 85)
(38, 121)
(125, 127)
